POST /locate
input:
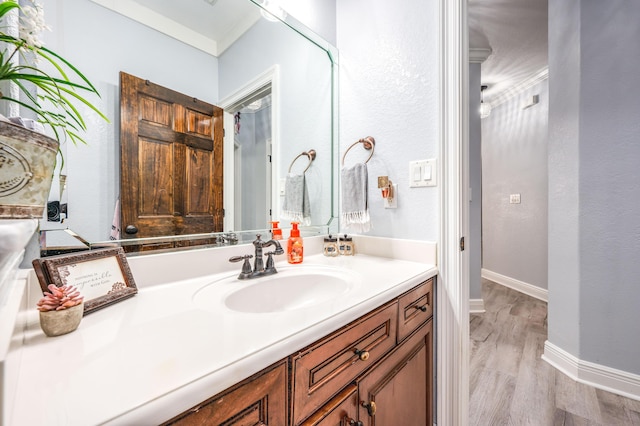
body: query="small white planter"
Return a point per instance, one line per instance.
(56, 323)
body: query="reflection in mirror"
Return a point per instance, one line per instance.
(166, 43)
(249, 172)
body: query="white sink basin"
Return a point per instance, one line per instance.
(290, 289)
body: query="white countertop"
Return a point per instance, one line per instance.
(148, 358)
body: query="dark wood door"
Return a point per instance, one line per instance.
(171, 161)
(398, 391)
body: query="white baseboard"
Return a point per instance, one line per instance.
(476, 306)
(596, 375)
(521, 286)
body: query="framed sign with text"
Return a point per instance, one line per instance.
(102, 276)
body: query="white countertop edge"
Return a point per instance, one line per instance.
(171, 404)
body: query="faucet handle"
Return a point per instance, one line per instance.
(270, 268)
(246, 266)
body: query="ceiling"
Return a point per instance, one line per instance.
(210, 25)
(516, 32)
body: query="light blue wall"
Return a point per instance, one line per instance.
(304, 92)
(594, 231)
(101, 43)
(255, 128)
(474, 245)
(514, 161)
(389, 90)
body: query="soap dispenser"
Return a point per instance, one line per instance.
(294, 245)
(276, 233)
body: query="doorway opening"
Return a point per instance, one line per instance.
(251, 139)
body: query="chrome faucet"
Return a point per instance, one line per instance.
(259, 268)
(229, 238)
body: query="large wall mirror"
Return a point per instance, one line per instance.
(275, 79)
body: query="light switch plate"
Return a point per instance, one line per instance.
(514, 199)
(422, 173)
(281, 186)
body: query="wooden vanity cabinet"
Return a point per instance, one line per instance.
(375, 371)
(258, 400)
(319, 371)
(394, 386)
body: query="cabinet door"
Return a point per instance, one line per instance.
(342, 410)
(261, 400)
(398, 391)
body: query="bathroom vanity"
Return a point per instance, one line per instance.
(379, 365)
(186, 348)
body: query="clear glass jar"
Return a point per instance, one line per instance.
(330, 247)
(346, 246)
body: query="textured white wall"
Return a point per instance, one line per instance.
(594, 160)
(514, 161)
(389, 90)
(317, 15)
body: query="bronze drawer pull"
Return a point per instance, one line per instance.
(363, 355)
(348, 421)
(370, 406)
(422, 308)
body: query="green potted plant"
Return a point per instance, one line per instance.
(61, 310)
(51, 89)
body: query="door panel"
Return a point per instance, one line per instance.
(171, 161)
(398, 391)
(156, 185)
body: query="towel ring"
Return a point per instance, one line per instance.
(312, 156)
(369, 144)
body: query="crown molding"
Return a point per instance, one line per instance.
(516, 89)
(478, 55)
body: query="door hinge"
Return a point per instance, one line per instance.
(462, 244)
(224, 132)
(223, 213)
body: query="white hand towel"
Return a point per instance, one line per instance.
(296, 200)
(355, 205)
(115, 224)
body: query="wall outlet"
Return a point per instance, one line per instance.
(514, 199)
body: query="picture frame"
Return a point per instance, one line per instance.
(102, 276)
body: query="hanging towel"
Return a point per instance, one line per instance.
(115, 224)
(296, 200)
(355, 207)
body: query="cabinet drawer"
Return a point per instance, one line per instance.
(322, 369)
(342, 410)
(259, 400)
(416, 306)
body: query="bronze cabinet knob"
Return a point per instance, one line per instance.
(370, 406)
(363, 355)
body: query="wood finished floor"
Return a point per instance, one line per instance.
(511, 385)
